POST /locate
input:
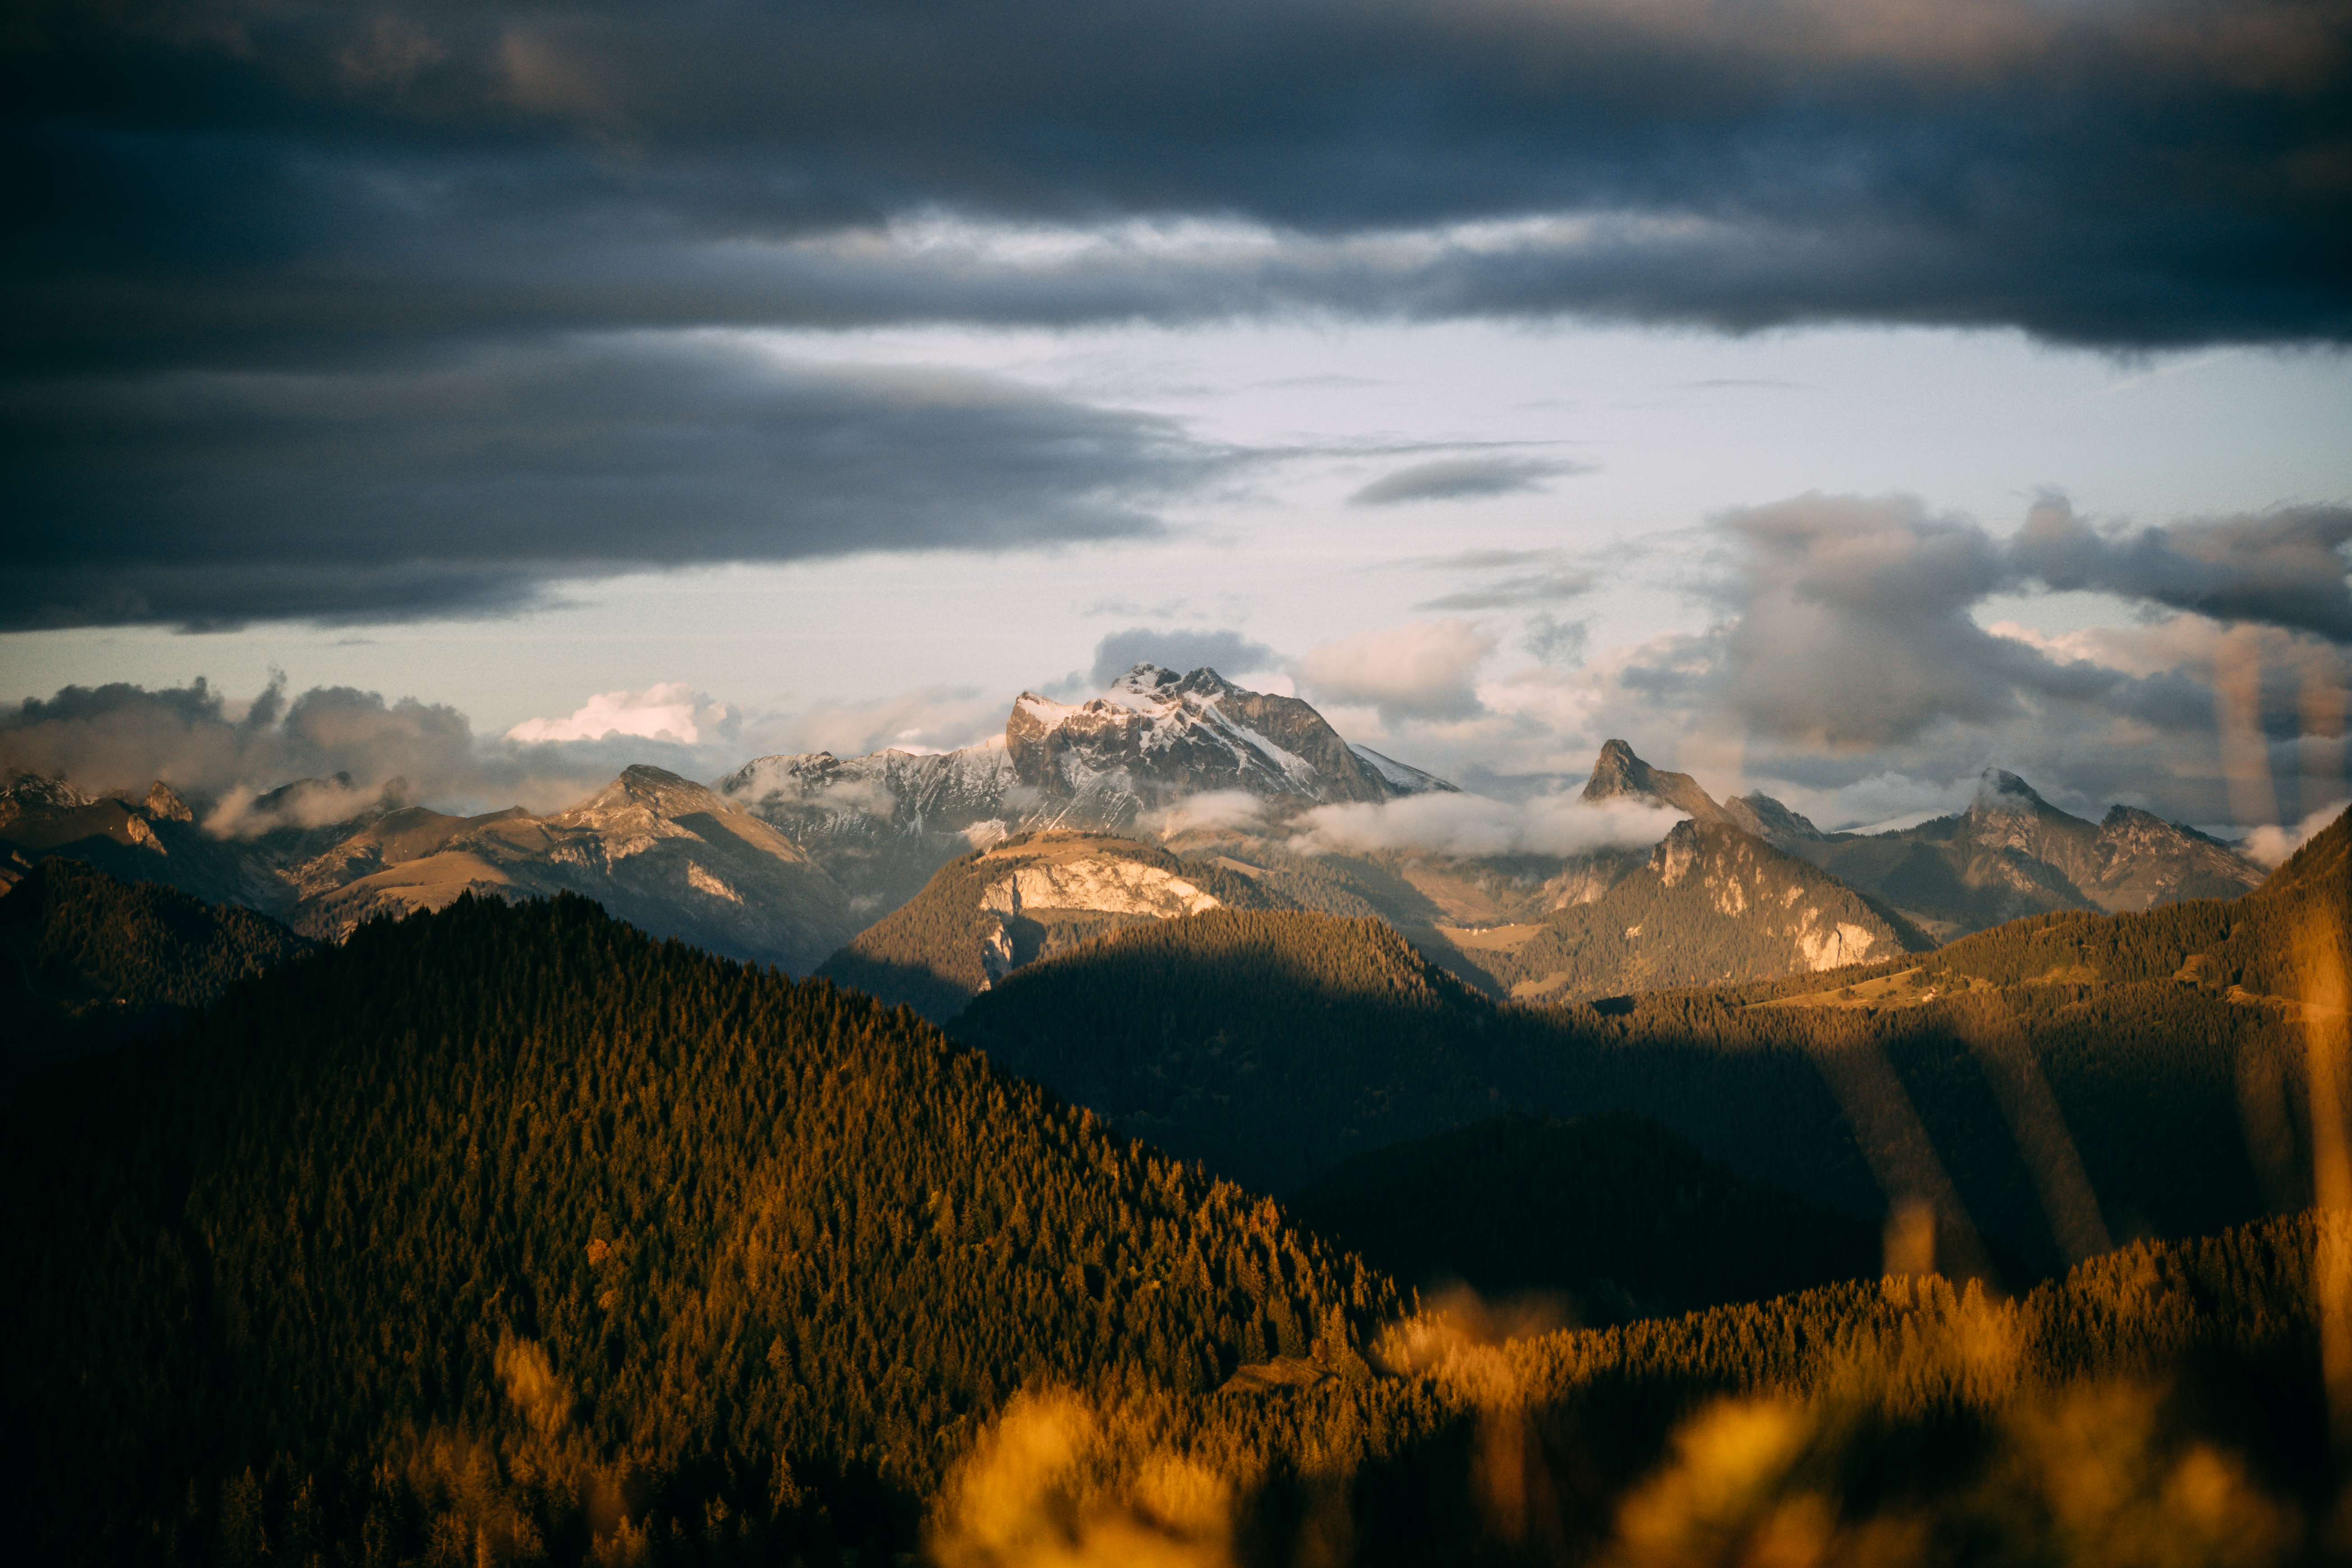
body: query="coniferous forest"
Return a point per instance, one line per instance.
(508, 1234)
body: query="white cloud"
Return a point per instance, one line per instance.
(1474, 825)
(671, 710)
(927, 719)
(1211, 808)
(1420, 670)
(2271, 845)
(313, 803)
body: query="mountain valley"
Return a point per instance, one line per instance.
(504, 1232)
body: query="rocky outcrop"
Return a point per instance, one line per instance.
(1619, 774)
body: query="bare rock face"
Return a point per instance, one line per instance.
(163, 803)
(1619, 774)
(1710, 903)
(1022, 900)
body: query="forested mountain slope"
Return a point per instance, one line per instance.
(1608, 1217)
(87, 960)
(515, 1211)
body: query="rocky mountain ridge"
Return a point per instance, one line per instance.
(2011, 852)
(882, 824)
(1711, 903)
(660, 851)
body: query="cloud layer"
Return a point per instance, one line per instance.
(463, 483)
(1473, 824)
(335, 313)
(1462, 479)
(118, 738)
(2108, 174)
(1423, 669)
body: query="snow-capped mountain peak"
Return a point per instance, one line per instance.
(1152, 739)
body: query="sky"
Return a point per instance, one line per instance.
(1832, 397)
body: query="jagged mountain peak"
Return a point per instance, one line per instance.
(24, 788)
(1769, 820)
(1999, 790)
(1156, 737)
(1152, 687)
(1617, 774)
(164, 801)
(1153, 739)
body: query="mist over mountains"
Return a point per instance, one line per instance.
(788, 858)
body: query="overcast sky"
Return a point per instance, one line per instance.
(1832, 397)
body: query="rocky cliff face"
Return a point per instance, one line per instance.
(1023, 899)
(2010, 854)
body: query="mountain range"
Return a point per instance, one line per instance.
(790, 860)
(504, 1233)
(882, 824)
(2009, 853)
(658, 850)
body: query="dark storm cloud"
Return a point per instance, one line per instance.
(1849, 654)
(463, 483)
(1228, 653)
(348, 312)
(1463, 479)
(237, 177)
(2287, 568)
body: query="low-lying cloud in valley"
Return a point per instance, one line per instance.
(1471, 825)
